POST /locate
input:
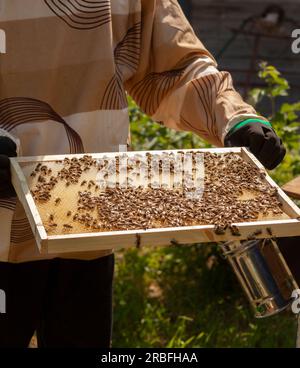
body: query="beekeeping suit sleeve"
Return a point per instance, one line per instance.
(177, 81)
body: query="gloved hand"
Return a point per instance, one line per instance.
(260, 138)
(7, 149)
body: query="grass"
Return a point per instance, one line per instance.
(188, 296)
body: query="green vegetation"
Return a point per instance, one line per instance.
(285, 120)
(188, 296)
(148, 135)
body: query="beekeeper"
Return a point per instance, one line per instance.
(64, 77)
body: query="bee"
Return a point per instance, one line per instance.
(44, 196)
(53, 225)
(220, 229)
(68, 183)
(41, 179)
(58, 200)
(69, 213)
(51, 217)
(38, 167)
(33, 174)
(67, 226)
(83, 183)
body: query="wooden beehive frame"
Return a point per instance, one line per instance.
(155, 237)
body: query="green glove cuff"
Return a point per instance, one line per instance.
(248, 121)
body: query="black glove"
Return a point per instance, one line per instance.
(8, 149)
(262, 141)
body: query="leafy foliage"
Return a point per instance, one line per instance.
(188, 296)
(149, 135)
(285, 120)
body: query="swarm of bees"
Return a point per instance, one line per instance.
(227, 178)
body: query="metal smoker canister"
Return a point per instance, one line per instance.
(263, 274)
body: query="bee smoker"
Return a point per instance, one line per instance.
(262, 273)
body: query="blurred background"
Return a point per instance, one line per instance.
(241, 33)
